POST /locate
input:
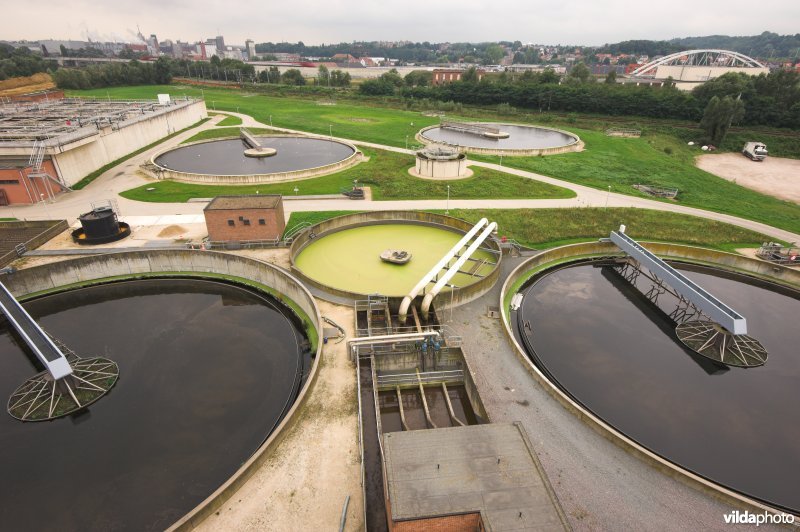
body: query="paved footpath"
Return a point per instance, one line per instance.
(125, 176)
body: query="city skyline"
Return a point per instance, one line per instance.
(581, 22)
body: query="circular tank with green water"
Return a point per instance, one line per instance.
(346, 257)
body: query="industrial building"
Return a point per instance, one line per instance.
(49, 145)
(238, 220)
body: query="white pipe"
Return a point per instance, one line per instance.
(403, 312)
(426, 302)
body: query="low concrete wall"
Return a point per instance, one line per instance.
(253, 179)
(88, 270)
(459, 295)
(510, 152)
(678, 252)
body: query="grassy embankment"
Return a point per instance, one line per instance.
(607, 161)
(386, 173)
(545, 228)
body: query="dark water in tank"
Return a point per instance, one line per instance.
(521, 138)
(226, 157)
(206, 371)
(617, 354)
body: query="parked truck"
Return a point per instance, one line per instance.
(757, 151)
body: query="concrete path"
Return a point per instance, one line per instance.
(125, 176)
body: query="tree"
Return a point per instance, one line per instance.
(161, 71)
(293, 77)
(580, 73)
(418, 78)
(549, 75)
(494, 53)
(470, 75)
(340, 79)
(718, 116)
(376, 87)
(392, 77)
(324, 76)
(611, 78)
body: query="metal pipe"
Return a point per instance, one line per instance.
(402, 313)
(454, 269)
(344, 514)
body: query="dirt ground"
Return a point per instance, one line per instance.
(304, 485)
(774, 176)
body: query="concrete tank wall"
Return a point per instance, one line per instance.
(564, 254)
(441, 169)
(50, 277)
(458, 296)
(76, 163)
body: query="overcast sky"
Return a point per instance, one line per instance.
(587, 22)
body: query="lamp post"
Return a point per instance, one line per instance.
(406, 141)
(447, 208)
(270, 120)
(607, 195)
(330, 131)
(296, 190)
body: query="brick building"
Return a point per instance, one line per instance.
(448, 75)
(245, 218)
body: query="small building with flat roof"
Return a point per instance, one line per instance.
(245, 219)
(476, 477)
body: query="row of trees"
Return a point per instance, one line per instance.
(114, 74)
(772, 99)
(16, 62)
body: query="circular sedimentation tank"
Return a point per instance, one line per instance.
(208, 370)
(342, 255)
(512, 139)
(618, 357)
(232, 161)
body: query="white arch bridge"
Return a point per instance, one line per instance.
(699, 65)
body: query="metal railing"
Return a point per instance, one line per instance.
(428, 377)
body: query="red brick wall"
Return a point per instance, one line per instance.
(28, 190)
(451, 523)
(220, 230)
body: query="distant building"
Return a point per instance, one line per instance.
(220, 41)
(251, 49)
(344, 58)
(237, 219)
(449, 75)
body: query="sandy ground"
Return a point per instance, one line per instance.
(774, 176)
(304, 484)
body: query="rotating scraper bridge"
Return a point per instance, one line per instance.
(69, 383)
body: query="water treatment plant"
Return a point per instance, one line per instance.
(404, 369)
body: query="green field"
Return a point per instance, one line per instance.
(544, 228)
(386, 173)
(230, 121)
(660, 160)
(656, 158)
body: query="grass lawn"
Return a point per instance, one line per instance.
(352, 120)
(230, 121)
(544, 228)
(216, 133)
(615, 162)
(659, 160)
(386, 173)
